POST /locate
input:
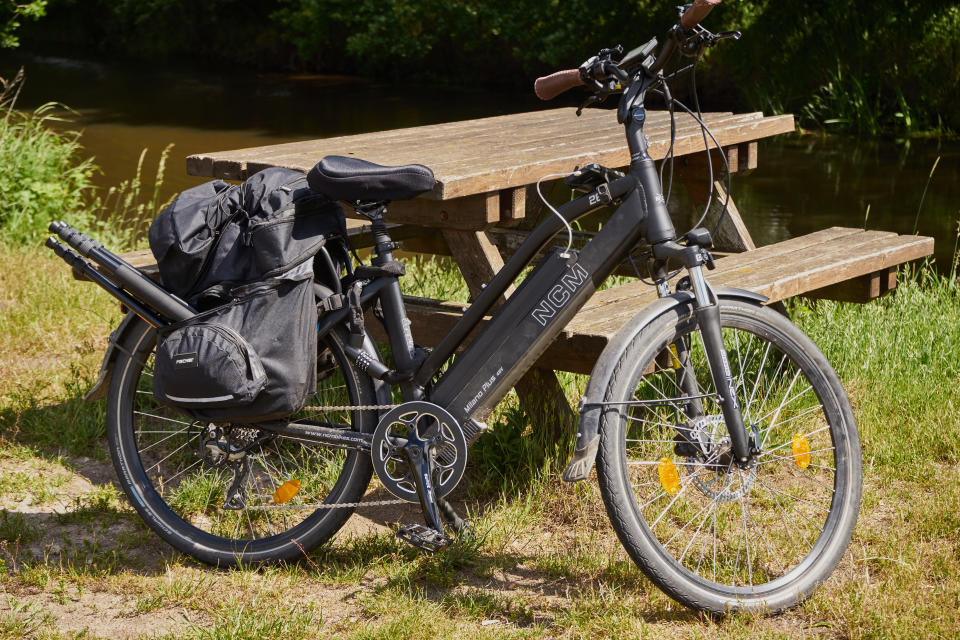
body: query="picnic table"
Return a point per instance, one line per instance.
(484, 198)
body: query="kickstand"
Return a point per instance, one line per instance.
(459, 525)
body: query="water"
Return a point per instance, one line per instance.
(803, 183)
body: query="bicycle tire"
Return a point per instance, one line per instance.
(803, 505)
(209, 534)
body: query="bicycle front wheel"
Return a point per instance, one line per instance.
(273, 499)
(715, 536)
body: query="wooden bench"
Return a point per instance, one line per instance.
(835, 263)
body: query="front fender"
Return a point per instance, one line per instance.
(588, 431)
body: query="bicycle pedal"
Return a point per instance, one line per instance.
(423, 537)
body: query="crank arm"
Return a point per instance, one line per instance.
(422, 467)
(338, 438)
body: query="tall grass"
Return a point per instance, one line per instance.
(44, 176)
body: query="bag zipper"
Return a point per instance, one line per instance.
(217, 235)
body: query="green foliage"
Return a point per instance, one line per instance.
(11, 13)
(46, 178)
(839, 64)
(43, 176)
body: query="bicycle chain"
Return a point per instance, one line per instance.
(353, 407)
(339, 505)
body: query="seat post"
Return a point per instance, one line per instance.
(395, 318)
(382, 243)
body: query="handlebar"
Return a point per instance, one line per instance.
(697, 12)
(605, 73)
(549, 87)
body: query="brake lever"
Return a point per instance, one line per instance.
(586, 103)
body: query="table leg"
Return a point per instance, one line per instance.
(732, 233)
(540, 393)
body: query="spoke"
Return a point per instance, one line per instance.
(766, 542)
(773, 381)
(756, 382)
(793, 522)
(790, 457)
(157, 465)
(162, 440)
(784, 493)
(789, 442)
(776, 413)
(181, 472)
(796, 417)
(150, 415)
(746, 533)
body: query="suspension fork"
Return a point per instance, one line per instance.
(707, 310)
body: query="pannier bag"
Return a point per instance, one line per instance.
(220, 235)
(243, 255)
(252, 360)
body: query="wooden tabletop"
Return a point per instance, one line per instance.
(481, 156)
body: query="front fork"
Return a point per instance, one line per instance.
(707, 310)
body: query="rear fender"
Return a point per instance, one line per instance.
(129, 326)
(588, 431)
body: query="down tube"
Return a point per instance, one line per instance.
(534, 315)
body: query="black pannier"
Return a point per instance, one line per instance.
(251, 360)
(244, 255)
(217, 235)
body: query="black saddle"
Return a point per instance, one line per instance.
(353, 179)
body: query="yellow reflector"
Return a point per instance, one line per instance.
(675, 357)
(669, 478)
(801, 450)
(286, 491)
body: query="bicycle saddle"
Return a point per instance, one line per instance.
(353, 179)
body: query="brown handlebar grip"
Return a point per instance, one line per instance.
(549, 87)
(697, 12)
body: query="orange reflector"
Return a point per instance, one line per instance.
(669, 478)
(286, 491)
(801, 450)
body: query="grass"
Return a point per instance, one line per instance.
(543, 562)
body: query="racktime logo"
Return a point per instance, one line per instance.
(560, 294)
(185, 360)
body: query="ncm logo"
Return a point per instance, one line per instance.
(560, 294)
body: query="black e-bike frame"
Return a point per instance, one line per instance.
(523, 327)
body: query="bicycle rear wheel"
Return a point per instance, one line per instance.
(712, 535)
(228, 512)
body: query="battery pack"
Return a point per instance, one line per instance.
(516, 337)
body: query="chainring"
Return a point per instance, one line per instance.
(425, 420)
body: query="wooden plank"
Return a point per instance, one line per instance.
(860, 289)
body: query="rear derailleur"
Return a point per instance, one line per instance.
(229, 447)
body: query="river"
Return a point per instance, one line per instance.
(803, 182)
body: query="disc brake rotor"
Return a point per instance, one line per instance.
(425, 420)
(719, 483)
